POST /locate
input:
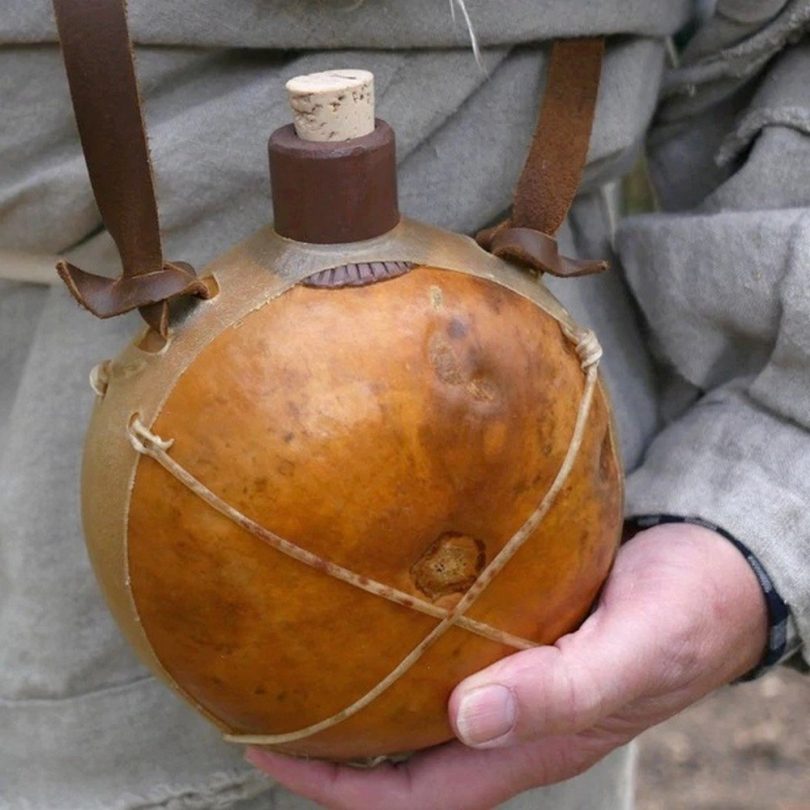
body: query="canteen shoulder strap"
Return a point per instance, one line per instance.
(553, 168)
(98, 58)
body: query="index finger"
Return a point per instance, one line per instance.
(450, 775)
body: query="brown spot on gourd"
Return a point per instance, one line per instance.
(450, 565)
(457, 329)
(444, 361)
(286, 468)
(606, 457)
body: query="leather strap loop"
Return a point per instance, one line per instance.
(537, 250)
(553, 168)
(101, 73)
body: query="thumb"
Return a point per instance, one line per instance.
(612, 659)
(547, 691)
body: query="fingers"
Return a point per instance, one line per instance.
(407, 785)
(449, 776)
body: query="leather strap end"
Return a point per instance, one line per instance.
(72, 276)
(107, 297)
(536, 250)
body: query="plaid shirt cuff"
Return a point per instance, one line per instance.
(781, 643)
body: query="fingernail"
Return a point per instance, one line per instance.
(484, 714)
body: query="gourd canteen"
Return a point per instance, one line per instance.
(355, 458)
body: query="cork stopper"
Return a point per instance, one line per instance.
(333, 171)
(334, 105)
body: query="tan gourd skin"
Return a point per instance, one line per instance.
(363, 424)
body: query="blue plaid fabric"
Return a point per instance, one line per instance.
(778, 613)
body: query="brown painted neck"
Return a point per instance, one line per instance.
(334, 192)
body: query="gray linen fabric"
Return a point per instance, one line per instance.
(731, 155)
(719, 276)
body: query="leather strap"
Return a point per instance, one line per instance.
(553, 168)
(98, 58)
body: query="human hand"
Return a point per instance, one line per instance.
(681, 614)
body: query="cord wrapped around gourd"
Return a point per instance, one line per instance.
(356, 458)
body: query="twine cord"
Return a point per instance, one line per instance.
(146, 443)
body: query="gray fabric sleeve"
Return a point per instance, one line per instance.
(722, 276)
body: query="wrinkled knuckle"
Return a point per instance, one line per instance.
(586, 698)
(534, 701)
(557, 694)
(550, 703)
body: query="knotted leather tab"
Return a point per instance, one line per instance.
(537, 250)
(553, 168)
(101, 73)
